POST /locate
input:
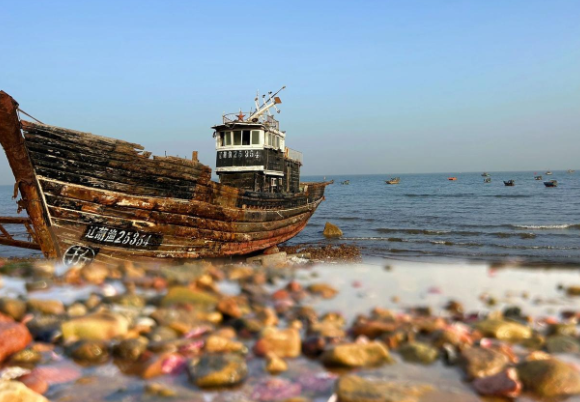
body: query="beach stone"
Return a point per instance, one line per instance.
(568, 328)
(76, 310)
(447, 337)
(159, 390)
(184, 295)
(95, 273)
(271, 250)
(549, 378)
(26, 357)
(162, 334)
(323, 290)
(45, 327)
(327, 329)
(331, 230)
(89, 352)
(352, 388)
(130, 349)
(482, 362)
(503, 384)
(269, 260)
(357, 355)
(15, 391)
(35, 382)
(98, 326)
(37, 284)
(220, 344)
(128, 300)
(373, 328)
(234, 306)
(13, 308)
(218, 370)
(562, 344)
(48, 307)
(282, 342)
(14, 337)
(418, 352)
(275, 365)
(504, 330)
(454, 307)
(573, 291)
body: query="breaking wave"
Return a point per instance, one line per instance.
(548, 227)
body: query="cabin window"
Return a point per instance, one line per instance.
(222, 139)
(277, 142)
(255, 137)
(237, 138)
(245, 137)
(270, 139)
(228, 138)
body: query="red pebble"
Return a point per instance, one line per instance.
(505, 383)
(280, 294)
(35, 382)
(57, 374)
(13, 338)
(294, 286)
(356, 284)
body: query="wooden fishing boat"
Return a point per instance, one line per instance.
(551, 183)
(485, 174)
(538, 178)
(548, 173)
(509, 183)
(345, 182)
(452, 178)
(89, 197)
(487, 180)
(394, 180)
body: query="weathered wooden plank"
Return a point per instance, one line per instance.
(171, 218)
(15, 148)
(81, 217)
(107, 157)
(182, 207)
(166, 186)
(92, 180)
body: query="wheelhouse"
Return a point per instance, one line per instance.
(252, 153)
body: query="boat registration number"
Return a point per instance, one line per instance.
(122, 238)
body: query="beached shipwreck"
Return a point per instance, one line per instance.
(89, 197)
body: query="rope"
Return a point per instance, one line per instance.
(33, 118)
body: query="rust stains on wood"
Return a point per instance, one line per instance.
(15, 148)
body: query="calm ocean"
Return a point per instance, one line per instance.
(427, 217)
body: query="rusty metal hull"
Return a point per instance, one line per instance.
(105, 199)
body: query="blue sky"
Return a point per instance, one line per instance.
(372, 86)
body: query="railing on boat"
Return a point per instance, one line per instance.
(16, 239)
(293, 155)
(234, 117)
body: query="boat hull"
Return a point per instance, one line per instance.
(109, 200)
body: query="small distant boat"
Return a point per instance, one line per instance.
(487, 180)
(548, 173)
(485, 174)
(509, 183)
(538, 178)
(394, 180)
(551, 183)
(345, 182)
(452, 178)
(570, 170)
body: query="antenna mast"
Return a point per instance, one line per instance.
(272, 101)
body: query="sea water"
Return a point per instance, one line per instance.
(428, 217)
